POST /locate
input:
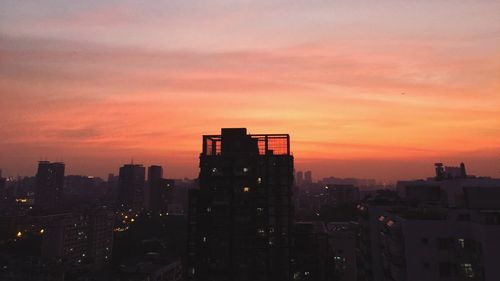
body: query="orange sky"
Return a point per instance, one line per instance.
(380, 91)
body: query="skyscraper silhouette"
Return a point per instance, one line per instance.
(159, 191)
(130, 186)
(49, 184)
(241, 216)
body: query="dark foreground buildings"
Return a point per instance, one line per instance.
(240, 218)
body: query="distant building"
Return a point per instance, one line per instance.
(448, 172)
(339, 195)
(240, 218)
(3, 187)
(79, 238)
(131, 187)
(49, 188)
(308, 177)
(451, 189)
(159, 191)
(299, 178)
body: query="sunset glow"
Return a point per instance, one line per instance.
(369, 90)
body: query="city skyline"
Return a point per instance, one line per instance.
(365, 90)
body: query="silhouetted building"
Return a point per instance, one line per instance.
(308, 177)
(152, 191)
(449, 172)
(449, 191)
(339, 195)
(131, 187)
(79, 238)
(3, 188)
(343, 239)
(240, 218)
(312, 255)
(299, 178)
(159, 191)
(49, 185)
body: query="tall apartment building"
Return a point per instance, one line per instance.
(131, 187)
(49, 184)
(241, 216)
(159, 191)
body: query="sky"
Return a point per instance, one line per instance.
(370, 89)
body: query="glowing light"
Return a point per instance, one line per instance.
(19, 234)
(246, 189)
(42, 231)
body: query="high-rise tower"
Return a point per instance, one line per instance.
(241, 216)
(131, 186)
(49, 184)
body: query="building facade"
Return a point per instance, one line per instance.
(49, 187)
(241, 216)
(131, 183)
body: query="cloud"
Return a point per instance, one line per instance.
(339, 102)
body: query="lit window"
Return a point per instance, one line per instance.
(381, 218)
(245, 170)
(246, 189)
(209, 210)
(19, 234)
(467, 270)
(204, 239)
(259, 180)
(461, 243)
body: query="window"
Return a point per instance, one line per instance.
(246, 189)
(467, 270)
(461, 243)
